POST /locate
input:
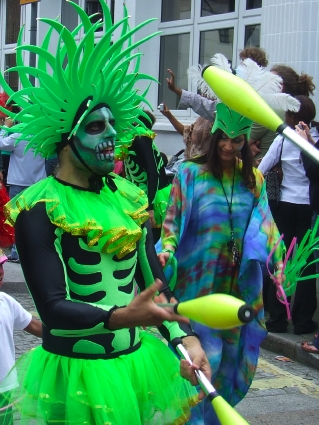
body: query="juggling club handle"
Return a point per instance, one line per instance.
(204, 383)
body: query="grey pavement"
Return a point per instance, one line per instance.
(286, 344)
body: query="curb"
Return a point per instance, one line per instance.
(280, 345)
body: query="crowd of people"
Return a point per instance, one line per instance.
(85, 233)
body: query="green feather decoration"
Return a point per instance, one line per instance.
(105, 73)
(297, 266)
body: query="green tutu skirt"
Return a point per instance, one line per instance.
(160, 204)
(141, 388)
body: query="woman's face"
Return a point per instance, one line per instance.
(228, 148)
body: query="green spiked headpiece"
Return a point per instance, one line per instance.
(230, 122)
(87, 72)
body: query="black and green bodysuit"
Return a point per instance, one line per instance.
(144, 167)
(83, 254)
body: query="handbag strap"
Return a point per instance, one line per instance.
(282, 145)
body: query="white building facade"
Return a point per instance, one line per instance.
(192, 31)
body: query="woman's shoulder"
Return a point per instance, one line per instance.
(190, 167)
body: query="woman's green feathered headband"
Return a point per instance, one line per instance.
(97, 71)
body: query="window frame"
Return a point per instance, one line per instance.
(8, 49)
(176, 31)
(222, 17)
(238, 20)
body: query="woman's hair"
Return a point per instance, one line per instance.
(307, 111)
(256, 54)
(212, 162)
(293, 83)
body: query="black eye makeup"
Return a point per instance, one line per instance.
(95, 127)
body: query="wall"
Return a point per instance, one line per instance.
(290, 35)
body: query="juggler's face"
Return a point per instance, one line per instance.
(95, 141)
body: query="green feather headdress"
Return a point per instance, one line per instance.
(79, 71)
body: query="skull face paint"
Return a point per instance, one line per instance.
(95, 140)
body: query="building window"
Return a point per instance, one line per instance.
(253, 4)
(175, 10)
(11, 77)
(174, 54)
(252, 35)
(93, 6)
(216, 7)
(69, 16)
(216, 41)
(13, 10)
(213, 27)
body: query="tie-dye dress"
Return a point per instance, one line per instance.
(197, 224)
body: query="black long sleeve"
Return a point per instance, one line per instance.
(45, 275)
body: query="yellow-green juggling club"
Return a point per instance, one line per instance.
(242, 98)
(218, 311)
(226, 414)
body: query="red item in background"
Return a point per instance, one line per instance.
(6, 231)
(3, 99)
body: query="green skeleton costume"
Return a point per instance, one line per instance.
(144, 167)
(92, 245)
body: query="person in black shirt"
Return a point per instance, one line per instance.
(145, 168)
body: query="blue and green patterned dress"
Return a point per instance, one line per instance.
(197, 224)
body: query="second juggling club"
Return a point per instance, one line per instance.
(226, 414)
(242, 98)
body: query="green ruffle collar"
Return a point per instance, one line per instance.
(112, 218)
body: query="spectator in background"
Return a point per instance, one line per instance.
(256, 54)
(145, 168)
(4, 158)
(13, 317)
(294, 84)
(312, 172)
(25, 169)
(293, 219)
(195, 136)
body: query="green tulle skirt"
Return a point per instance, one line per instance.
(160, 204)
(144, 387)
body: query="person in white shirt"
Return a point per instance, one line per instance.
(12, 317)
(293, 219)
(24, 170)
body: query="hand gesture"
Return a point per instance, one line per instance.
(254, 147)
(143, 311)
(166, 112)
(171, 83)
(303, 130)
(199, 359)
(163, 258)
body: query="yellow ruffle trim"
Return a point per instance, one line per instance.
(113, 219)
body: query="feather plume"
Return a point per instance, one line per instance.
(194, 74)
(268, 83)
(221, 62)
(250, 72)
(282, 101)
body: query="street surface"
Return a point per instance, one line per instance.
(282, 393)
